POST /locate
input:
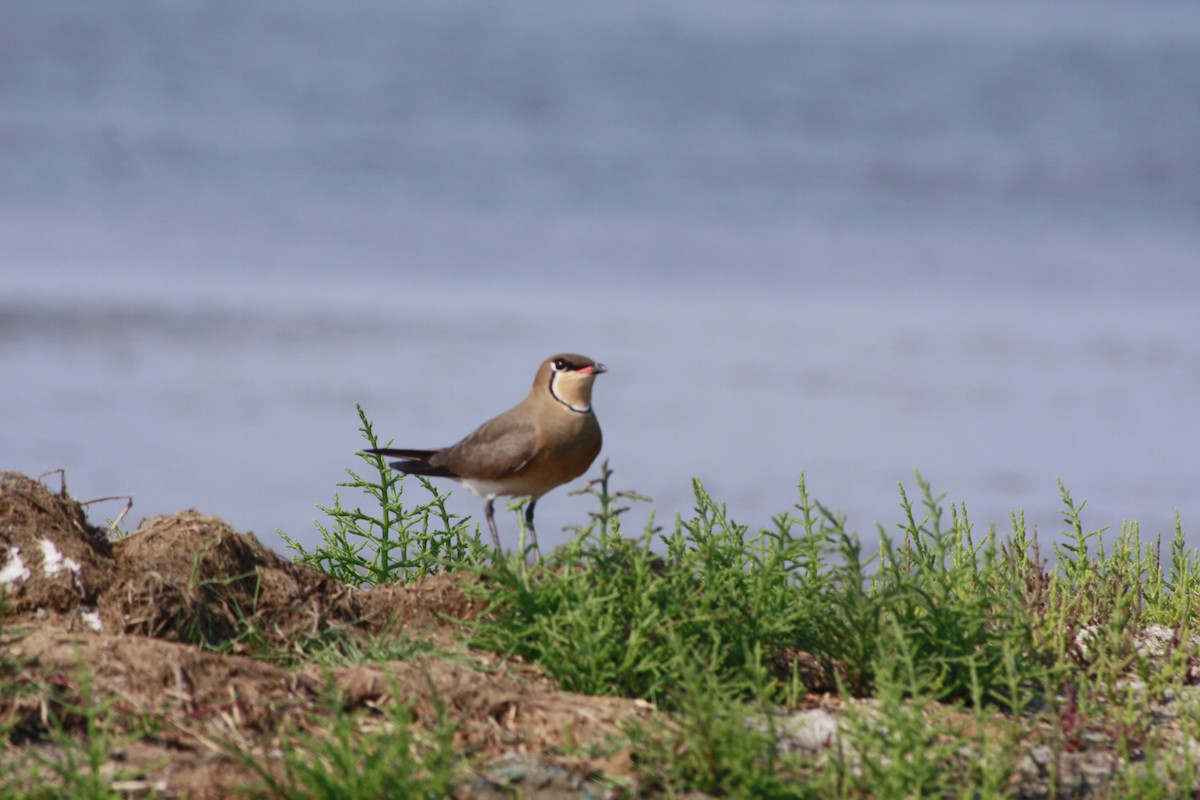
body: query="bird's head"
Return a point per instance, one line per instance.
(569, 377)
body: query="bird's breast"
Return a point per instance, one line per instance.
(567, 447)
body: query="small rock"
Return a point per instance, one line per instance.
(811, 731)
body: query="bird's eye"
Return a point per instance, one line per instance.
(561, 364)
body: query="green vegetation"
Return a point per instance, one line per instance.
(390, 542)
(795, 661)
(948, 649)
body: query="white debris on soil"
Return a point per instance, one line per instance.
(15, 569)
(92, 620)
(54, 561)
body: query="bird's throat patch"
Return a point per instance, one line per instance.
(556, 391)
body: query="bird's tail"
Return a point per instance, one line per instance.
(416, 462)
(399, 452)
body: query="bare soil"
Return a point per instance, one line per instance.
(172, 624)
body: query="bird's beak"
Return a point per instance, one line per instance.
(594, 369)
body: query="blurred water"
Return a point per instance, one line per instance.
(845, 238)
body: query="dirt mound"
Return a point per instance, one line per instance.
(189, 577)
(160, 625)
(50, 557)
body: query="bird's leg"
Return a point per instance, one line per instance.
(537, 554)
(491, 521)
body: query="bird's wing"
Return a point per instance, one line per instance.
(496, 449)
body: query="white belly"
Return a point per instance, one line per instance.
(490, 490)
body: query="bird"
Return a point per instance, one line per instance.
(549, 438)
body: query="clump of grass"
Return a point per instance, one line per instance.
(938, 596)
(608, 615)
(75, 754)
(717, 744)
(393, 542)
(347, 756)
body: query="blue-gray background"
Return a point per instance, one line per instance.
(849, 238)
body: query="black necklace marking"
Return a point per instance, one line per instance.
(554, 394)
